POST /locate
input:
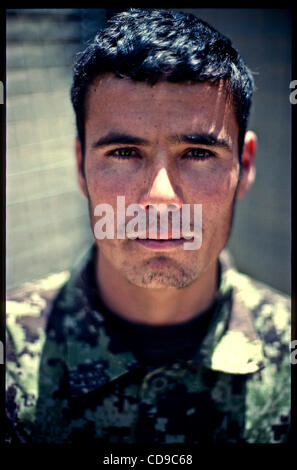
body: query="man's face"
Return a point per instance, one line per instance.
(142, 142)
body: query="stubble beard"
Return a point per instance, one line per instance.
(172, 273)
(161, 271)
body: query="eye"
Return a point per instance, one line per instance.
(198, 154)
(123, 153)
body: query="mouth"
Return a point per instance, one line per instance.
(158, 244)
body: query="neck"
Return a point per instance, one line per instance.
(138, 304)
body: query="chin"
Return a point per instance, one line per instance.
(176, 278)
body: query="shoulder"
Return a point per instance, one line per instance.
(27, 311)
(268, 391)
(270, 308)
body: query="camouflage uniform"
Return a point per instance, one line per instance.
(74, 381)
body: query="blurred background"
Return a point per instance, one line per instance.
(47, 218)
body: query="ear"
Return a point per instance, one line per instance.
(248, 171)
(79, 167)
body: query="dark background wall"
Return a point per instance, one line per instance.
(47, 218)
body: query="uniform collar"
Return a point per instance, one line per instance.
(95, 355)
(231, 344)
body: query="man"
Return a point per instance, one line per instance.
(149, 341)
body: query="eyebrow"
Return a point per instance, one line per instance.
(208, 139)
(202, 139)
(113, 138)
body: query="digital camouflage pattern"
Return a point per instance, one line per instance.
(74, 380)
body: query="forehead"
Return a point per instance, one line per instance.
(204, 106)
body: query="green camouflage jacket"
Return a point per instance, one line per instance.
(69, 380)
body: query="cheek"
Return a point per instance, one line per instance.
(213, 188)
(105, 183)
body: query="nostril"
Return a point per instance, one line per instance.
(157, 207)
(173, 207)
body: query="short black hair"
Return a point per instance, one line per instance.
(154, 45)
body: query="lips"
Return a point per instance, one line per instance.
(159, 244)
(158, 236)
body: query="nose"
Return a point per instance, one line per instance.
(161, 191)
